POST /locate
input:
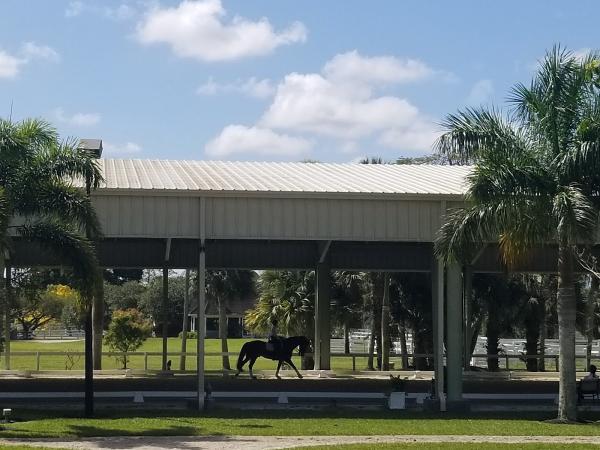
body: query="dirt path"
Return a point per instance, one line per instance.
(276, 442)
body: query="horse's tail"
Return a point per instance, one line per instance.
(241, 358)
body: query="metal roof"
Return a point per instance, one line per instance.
(223, 176)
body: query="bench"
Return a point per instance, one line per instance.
(589, 388)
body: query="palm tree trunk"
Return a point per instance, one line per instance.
(3, 294)
(184, 326)
(543, 332)
(385, 324)
(403, 346)
(89, 363)
(7, 321)
(566, 308)
(223, 332)
(165, 317)
(589, 315)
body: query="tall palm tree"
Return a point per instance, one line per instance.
(37, 174)
(535, 177)
(288, 297)
(347, 298)
(223, 285)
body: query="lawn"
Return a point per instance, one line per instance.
(287, 423)
(62, 362)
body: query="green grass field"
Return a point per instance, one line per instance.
(62, 362)
(287, 423)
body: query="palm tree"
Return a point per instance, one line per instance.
(37, 186)
(288, 297)
(536, 170)
(223, 285)
(347, 298)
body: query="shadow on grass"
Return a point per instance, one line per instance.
(324, 413)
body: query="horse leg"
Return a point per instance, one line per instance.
(278, 367)
(241, 369)
(250, 368)
(289, 361)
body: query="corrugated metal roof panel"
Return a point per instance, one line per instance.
(137, 174)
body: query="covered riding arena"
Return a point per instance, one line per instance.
(298, 216)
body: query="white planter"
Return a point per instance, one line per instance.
(397, 400)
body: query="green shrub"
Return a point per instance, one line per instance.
(190, 334)
(127, 331)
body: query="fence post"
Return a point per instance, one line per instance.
(353, 363)
(507, 363)
(37, 361)
(145, 361)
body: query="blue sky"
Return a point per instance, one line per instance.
(271, 79)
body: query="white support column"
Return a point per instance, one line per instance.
(201, 308)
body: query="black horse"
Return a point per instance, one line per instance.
(282, 353)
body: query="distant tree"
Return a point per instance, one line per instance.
(127, 331)
(288, 297)
(411, 307)
(347, 299)
(421, 160)
(35, 307)
(121, 276)
(225, 285)
(150, 302)
(123, 296)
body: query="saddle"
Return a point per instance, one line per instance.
(274, 344)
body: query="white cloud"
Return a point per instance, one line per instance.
(312, 103)
(417, 135)
(341, 106)
(31, 50)
(127, 149)
(77, 119)
(255, 140)
(353, 67)
(340, 103)
(9, 65)
(199, 30)
(252, 87)
(123, 11)
(74, 9)
(481, 92)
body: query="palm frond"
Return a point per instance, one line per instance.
(575, 215)
(66, 160)
(474, 132)
(61, 201)
(69, 246)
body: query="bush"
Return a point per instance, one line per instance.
(190, 334)
(127, 331)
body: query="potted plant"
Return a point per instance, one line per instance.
(397, 398)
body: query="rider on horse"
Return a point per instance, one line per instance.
(274, 340)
